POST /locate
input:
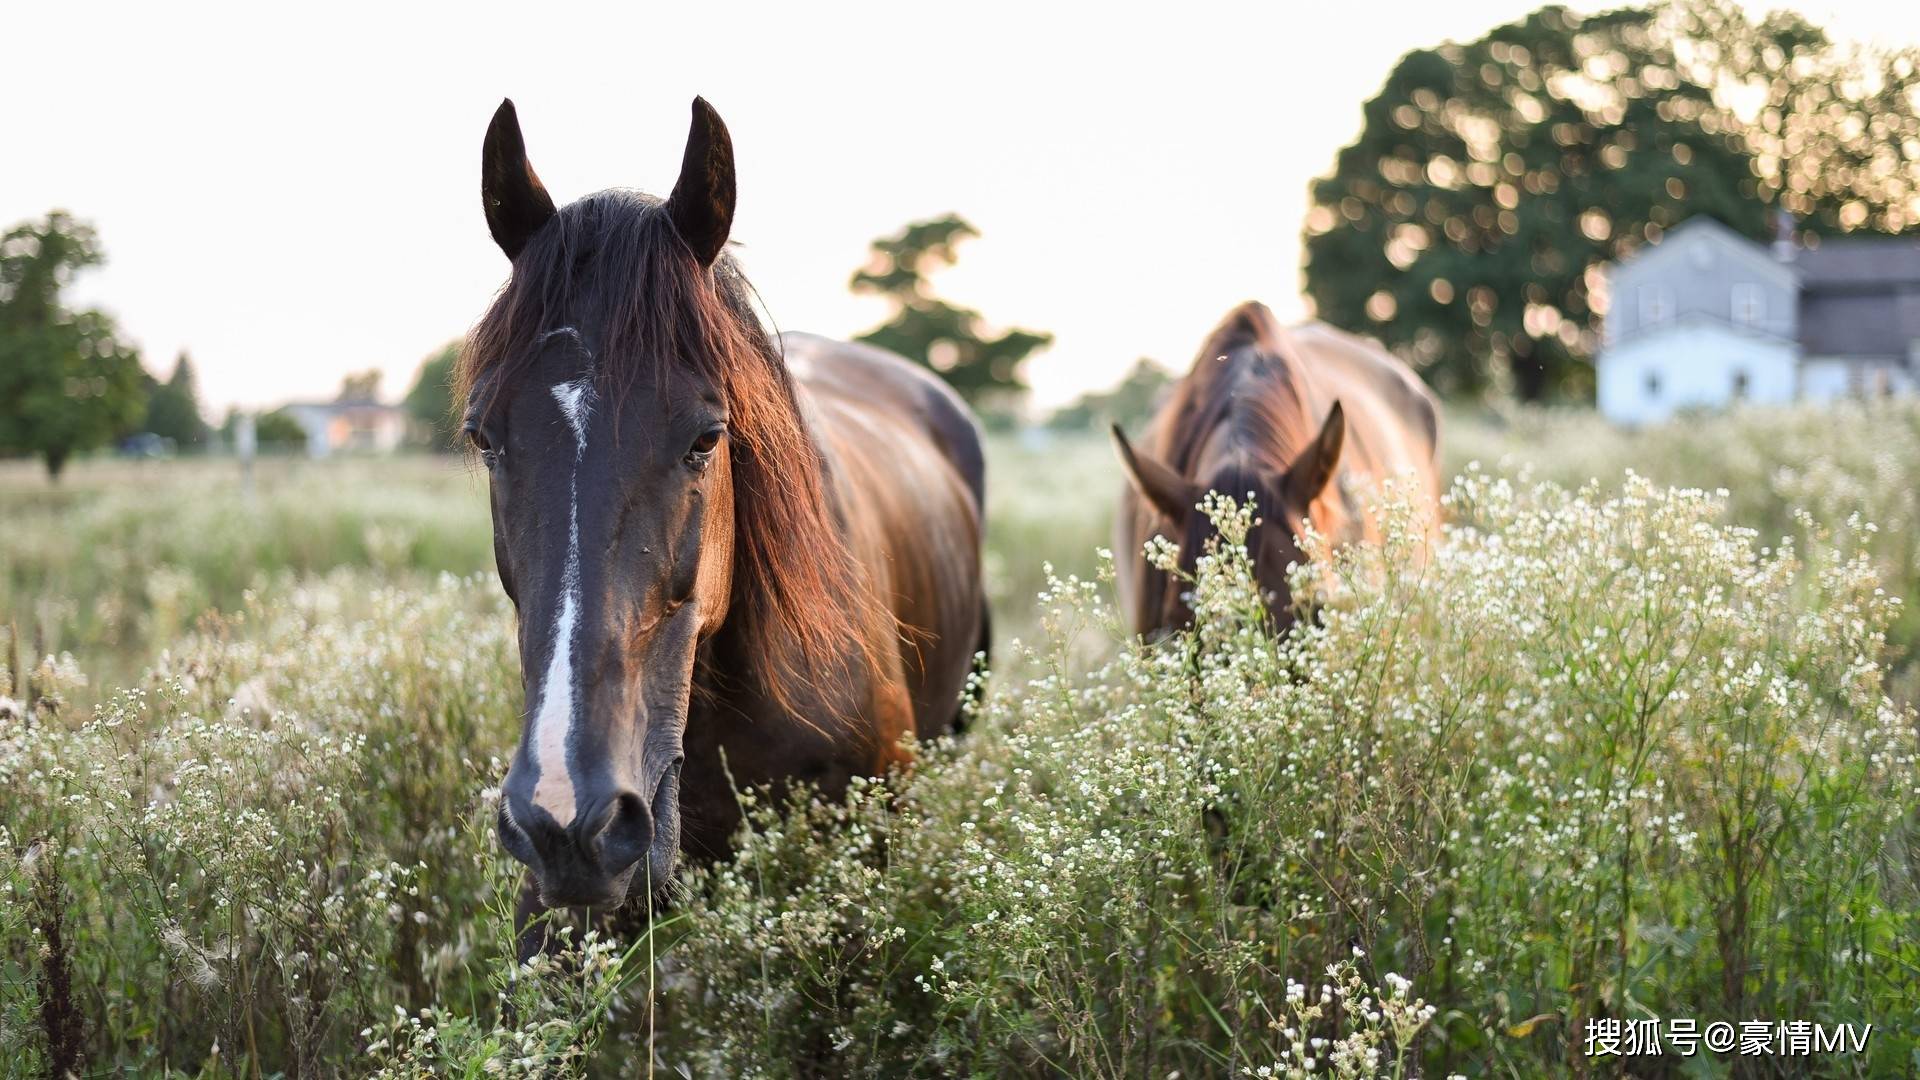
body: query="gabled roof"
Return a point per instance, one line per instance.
(1704, 229)
(1879, 262)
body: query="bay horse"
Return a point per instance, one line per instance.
(735, 559)
(1301, 418)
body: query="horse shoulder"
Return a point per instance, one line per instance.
(1381, 383)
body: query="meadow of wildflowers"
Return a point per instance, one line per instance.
(1609, 751)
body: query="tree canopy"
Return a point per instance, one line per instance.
(173, 407)
(1128, 404)
(430, 402)
(1468, 224)
(279, 429)
(360, 386)
(951, 340)
(67, 382)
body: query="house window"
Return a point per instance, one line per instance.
(1653, 384)
(1656, 304)
(1749, 304)
(1740, 383)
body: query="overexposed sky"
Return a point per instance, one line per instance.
(291, 192)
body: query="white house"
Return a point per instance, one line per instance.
(357, 425)
(1707, 318)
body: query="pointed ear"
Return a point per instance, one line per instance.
(516, 203)
(702, 199)
(1168, 492)
(1310, 473)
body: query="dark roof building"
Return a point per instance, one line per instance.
(1860, 298)
(1707, 317)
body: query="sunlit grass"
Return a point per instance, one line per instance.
(1607, 752)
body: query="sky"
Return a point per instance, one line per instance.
(290, 192)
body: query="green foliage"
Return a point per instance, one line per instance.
(1788, 473)
(1467, 224)
(430, 402)
(1130, 404)
(1834, 129)
(278, 836)
(124, 558)
(1605, 752)
(360, 386)
(173, 408)
(952, 340)
(1584, 760)
(279, 429)
(67, 382)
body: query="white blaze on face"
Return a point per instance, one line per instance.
(553, 722)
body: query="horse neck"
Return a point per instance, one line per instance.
(1256, 415)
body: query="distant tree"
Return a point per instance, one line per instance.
(1834, 129)
(67, 381)
(430, 402)
(278, 429)
(360, 386)
(1129, 404)
(951, 340)
(1467, 226)
(173, 407)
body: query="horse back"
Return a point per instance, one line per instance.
(906, 468)
(1393, 421)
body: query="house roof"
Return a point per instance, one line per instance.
(1879, 262)
(1861, 322)
(1698, 230)
(1860, 297)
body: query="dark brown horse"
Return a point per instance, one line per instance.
(731, 556)
(1301, 418)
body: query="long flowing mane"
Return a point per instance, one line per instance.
(799, 605)
(1244, 379)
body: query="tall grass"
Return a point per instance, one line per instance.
(1782, 469)
(121, 558)
(1598, 757)
(1605, 753)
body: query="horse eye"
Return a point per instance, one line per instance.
(478, 438)
(703, 447)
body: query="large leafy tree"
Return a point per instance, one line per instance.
(954, 341)
(430, 402)
(173, 407)
(1467, 225)
(67, 381)
(1834, 129)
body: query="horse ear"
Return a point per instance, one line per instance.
(516, 202)
(702, 199)
(1309, 474)
(1169, 492)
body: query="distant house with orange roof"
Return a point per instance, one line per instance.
(355, 425)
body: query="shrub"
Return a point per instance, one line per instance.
(1592, 757)
(274, 841)
(1600, 755)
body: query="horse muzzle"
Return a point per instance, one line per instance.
(592, 860)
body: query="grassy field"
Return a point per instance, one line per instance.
(1614, 751)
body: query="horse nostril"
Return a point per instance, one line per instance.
(514, 838)
(627, 835)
